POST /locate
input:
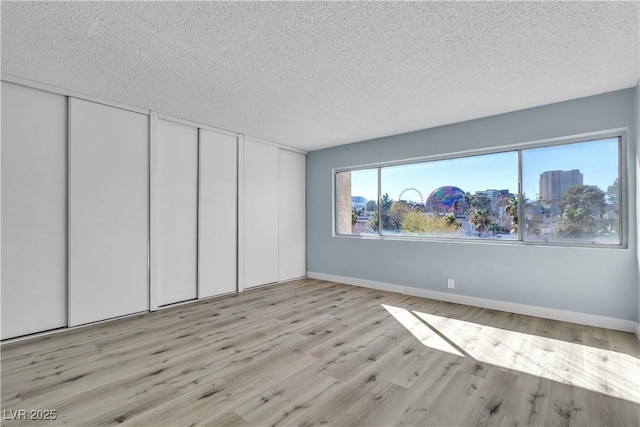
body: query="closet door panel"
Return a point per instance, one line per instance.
(260, 214)
(218, 214)
(34, 211)
(291, 228)
(108, 212)
(177, 215)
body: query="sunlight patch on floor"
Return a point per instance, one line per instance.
(419, 330)
(603, 371)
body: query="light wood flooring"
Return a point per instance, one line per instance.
(312, 352)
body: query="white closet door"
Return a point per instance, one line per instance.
(177, 212)
(291, 229)
(34, 211)
(108, 212)
(217, 254)
(260, 214)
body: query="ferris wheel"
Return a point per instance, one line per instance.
(414, 190)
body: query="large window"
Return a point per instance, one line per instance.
(464, 197)
(570, 194)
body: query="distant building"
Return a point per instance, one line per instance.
(358, 202)
(493, 194)
(555, 184)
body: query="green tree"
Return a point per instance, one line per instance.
(476, 201)
(373, 222)
(586, 197)
(419, 223)
(396, 215)
(468, 198)
(385, 205)
(511, 209)
(613, 194)
(481, 202)
(575, 223)
(468, 203)
(372, 206)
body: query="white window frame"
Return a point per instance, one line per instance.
(623, 173)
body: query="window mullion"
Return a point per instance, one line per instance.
(380, 201)
(520, 195)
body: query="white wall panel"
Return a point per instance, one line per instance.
(34, 210)
(218, 215)
(291, 218)
(177, 212)
(260, 245)
(108, 212)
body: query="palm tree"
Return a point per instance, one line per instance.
(468, 200)
(495, 228)
(450, 220)
(480, 218)
(511, 209)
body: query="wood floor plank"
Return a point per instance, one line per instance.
(310, 352)
(531, 402)
(275, 404)
(227, 419)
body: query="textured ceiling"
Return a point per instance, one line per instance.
(312, 75)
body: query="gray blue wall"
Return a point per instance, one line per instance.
(637, 132)
(601, 281)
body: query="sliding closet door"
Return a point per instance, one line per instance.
(177, 212)
(34, 211)
(108, 212)
(218, 215)
(260, 214)
(291, 229)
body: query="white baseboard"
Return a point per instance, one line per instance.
(510, 307)
(272, 284)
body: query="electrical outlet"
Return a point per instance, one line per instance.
(450, 284)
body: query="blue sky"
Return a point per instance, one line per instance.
(597, 160)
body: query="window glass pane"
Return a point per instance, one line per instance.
(467, 197)
(357, 202)
(571, 193)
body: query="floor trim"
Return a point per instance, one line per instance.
(510, 307)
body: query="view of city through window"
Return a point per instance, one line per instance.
(570, 194)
